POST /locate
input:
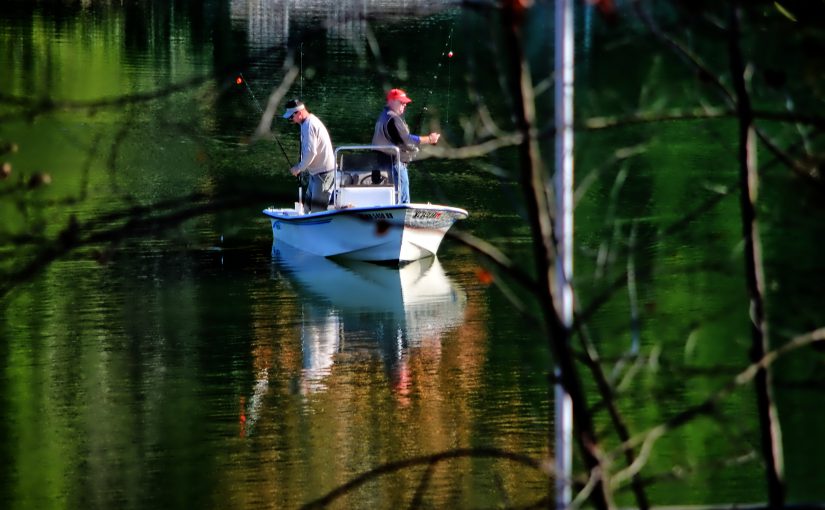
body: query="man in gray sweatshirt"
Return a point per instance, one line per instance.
(317, 155)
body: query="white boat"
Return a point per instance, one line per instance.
(365, 221)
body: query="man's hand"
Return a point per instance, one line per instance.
(294, 171)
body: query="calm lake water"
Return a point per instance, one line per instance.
(192, 364)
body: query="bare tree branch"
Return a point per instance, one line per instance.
(707, 406)
(754, 273)
(428, 460)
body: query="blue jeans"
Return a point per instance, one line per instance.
(399, 173)
(318, 191)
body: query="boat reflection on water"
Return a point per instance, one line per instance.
(354, 306)
(349, 315)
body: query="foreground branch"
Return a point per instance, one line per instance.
(429, 461)
(770, 431)
(747, 376)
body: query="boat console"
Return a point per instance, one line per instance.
(364, 177)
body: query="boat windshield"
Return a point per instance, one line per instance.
(364, 176)
(367, 167)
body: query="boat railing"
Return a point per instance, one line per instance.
(364, 176)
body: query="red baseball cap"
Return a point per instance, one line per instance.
(398, 94)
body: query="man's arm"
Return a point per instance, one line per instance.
(307, 150)
(400, 134)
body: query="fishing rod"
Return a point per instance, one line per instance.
(241, 79)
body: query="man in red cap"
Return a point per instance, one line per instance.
(391, 129)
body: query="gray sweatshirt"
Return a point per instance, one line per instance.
(317, 154)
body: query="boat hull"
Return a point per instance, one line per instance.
(394, 233)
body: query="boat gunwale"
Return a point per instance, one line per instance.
(283, 216)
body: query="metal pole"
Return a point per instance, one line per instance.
(563, 182)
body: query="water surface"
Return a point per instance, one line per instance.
(192, 364)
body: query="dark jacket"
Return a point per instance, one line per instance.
(390, 129)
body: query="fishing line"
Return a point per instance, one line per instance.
(242, 79)
(449, 74)
(303, 178)
(446, 53)
(302, 71)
